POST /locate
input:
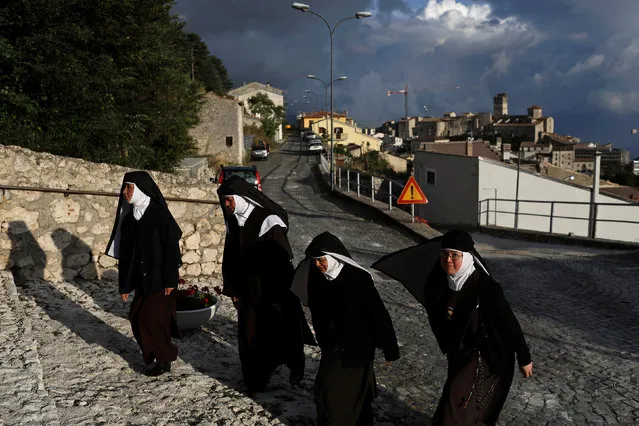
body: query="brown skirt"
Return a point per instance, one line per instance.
(343, 396)
(472, 394)
(153, 321)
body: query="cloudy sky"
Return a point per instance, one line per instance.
(577, 59)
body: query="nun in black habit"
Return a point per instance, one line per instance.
(145, 240)
(350, 321)
(257, 273)
(477, 330)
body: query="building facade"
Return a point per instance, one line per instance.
(247, 91)
(459, 188)
(220, 132)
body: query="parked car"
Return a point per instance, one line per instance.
(315, 146)
(248, 173)
(310, 137)
(260, 151)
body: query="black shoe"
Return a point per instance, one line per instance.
(158, 369)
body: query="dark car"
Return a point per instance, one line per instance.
(260, 150)
(248, 173)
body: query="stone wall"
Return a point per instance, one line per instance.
(221, 117)
(51, 236)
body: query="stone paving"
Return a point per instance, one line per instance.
(577, 307)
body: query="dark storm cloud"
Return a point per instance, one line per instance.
(573, 57)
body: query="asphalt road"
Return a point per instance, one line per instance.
(577, 307)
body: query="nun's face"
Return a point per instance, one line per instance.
(321, 263)
(451, 261)
(229, 203)
(127, 192)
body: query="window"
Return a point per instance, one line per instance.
(229, 141)
(430, 177)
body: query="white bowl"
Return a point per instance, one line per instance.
(191, 320)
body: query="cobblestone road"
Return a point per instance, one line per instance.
(577, 306)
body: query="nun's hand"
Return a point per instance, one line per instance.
(388, 363)
(125, 297)
(526, 370)
(168, 291)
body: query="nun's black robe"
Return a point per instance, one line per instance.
(272, 329)
(480, 335)
(350, 321)
(149, 263)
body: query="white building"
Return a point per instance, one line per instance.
(458, 189)
(244, 93)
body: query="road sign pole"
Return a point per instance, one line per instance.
(412, 212)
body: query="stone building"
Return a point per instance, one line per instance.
(500, 105)
(247, 91)
(220, 132)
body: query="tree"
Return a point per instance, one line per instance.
(105, 81)
(271, 116)
(206, 68)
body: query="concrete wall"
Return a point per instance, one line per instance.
(452, 199)
(534, 187)
(220, 117)
(398, 164)
(55, 237)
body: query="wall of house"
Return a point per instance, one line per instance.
(503, 179)
(55, 237)
(220, 118)
(398, 164)
(278, 100)
(452, 199)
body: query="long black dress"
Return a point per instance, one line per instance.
(146, 269)
(149, 260)
(350, 321)
(480, 335)
(272, 329)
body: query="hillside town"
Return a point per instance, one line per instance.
(526, 140)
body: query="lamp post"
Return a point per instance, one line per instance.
(358, 15)
(310, 92)
(517, 190)
(309, 99)
(314, 77)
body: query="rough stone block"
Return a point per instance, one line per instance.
(65, 210)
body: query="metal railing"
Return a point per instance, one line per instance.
(567, 213)
(67, 192)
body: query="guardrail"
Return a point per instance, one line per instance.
(377, 188)
(557, 214)
(67, 192)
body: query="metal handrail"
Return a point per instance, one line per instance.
(593, 212)
(67, 192)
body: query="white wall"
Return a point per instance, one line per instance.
(533, 187)
(453, 198)
(278, 100)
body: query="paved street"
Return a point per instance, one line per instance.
(577, 307)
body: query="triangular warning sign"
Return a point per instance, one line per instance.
(412, 193)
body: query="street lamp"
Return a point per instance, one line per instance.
(310, 92)
(314, 77)
(359, 15)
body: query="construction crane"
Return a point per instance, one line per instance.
(404, 92)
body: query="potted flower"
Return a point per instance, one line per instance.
(194, 305)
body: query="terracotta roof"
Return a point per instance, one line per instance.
(623, 191)
(480, 149)
(535, 107)
(322, 114)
